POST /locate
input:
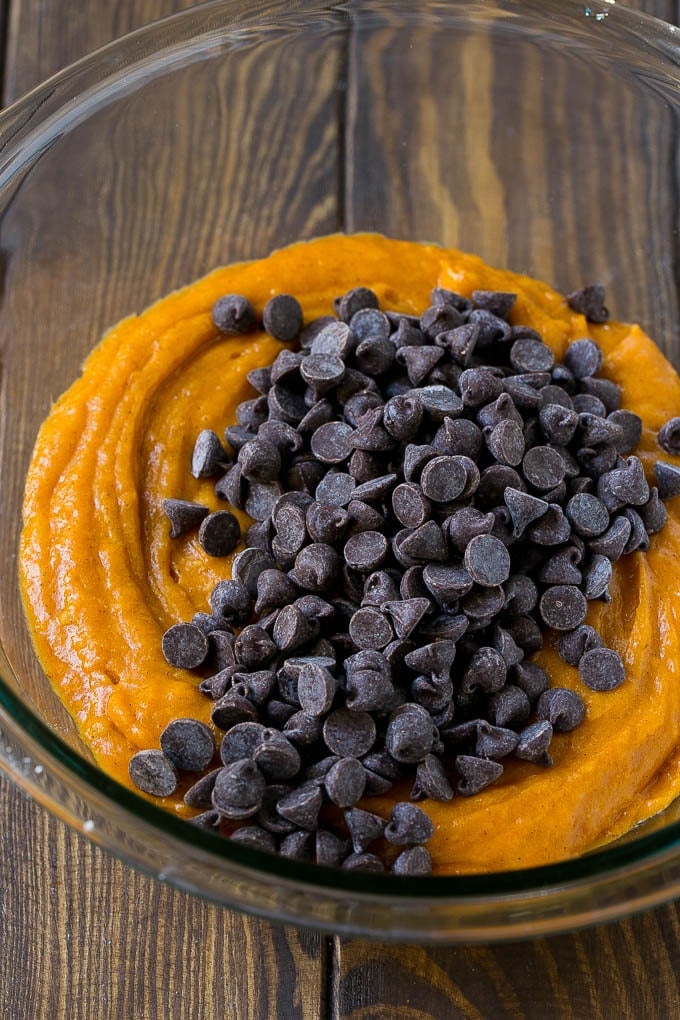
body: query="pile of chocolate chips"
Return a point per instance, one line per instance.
(430, 495)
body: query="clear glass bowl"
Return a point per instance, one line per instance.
(542, 135)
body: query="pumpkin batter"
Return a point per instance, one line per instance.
(102, 580)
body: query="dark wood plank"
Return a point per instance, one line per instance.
(83, 936)
(629, 969)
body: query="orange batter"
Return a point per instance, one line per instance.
(102, 580)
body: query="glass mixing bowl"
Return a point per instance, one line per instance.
(542, 135)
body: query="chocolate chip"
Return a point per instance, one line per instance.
(509, 706)
(316, 567)
(353, 301)
(261, 499)
(408, 825)
(596, 577)
(563, 708)
(276, 757)
(605, 390)
(200, 794)
(552, 528)
(414, 861)
(345, 782)
(524, 509)
(230, 599)
(424, 544)
(209, 457)
(330, 850)
(527, 355)
(486, 671)
(292, 629)
(435, 658)
(487, 561)
(185, 646)
(406, 614)
(532, 679)
(410, 733)
(154, 773)
(335, 488)
(601, 669)
(298, 846)
(668, 479)
(543, 467)
(562, 607)
(499, 303)
(302, 806)
(238, 790)
(364, 827)
(183, 515)
(232, 709)
(189, 744)
(348, 733)
(233, 314)
(282, 317)
(255, 837)
(369, 628)
(219, 533)
(316, 688)
(363, 862)
(431, 780)
(589, 301)
(653, 513)
(561, 568)
(506, 442)
(475, 774)
(494, 741)
(558, 423)
(534, 742)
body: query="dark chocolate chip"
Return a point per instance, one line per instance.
(185, 646)
(363, 862)
(370, 629)
(364, 827)
(668, 479)
(302, 806)
(494, 741)
(563, 708)
(233, 314)
(209, 457)
(589, 301)
(345, 782)
(183, 515)
(230, 599)
(588, 515)
(475, 774)
(601, 669)
(349, 734)
(528, 355)
(499, 303)
(255, 837)
(558, 423)
(509, 706)
(413, 861)
(506, 442)
(410, 733)
(238, 790)
(487, 561)
(534, 742)
(219, 533)
(189, 744)
(524, 509)
(408, 825)
(532, 679)
(282, 317)
(200, 794)
(353, 301)
(562, 607)
(153, 772)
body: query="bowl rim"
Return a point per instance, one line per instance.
(122, 56)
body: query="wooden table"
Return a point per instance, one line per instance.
(83, 936)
